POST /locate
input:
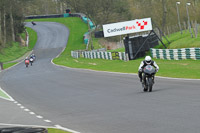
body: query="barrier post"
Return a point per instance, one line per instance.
(1, 64)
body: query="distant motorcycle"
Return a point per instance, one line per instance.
(31, 61)
(33, 23)
(148, 78)
(26, 63)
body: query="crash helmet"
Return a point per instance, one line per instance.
(148, 60)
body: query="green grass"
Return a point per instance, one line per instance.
(16, 51)
(52, 130)
(117, 50)
(7, 65)
(168, 68)
(2, 94)
(13, 52)
(23, 35)
(32, 38)
(96, 44)
(181, 41)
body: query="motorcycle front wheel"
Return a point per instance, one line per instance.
(150, 84)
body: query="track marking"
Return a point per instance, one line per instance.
(32, 113)
(38, 116)
(48, 121)
(27, 110)
(22, 107)
(66, 129)
(9, 97)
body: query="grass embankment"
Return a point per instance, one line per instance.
(172, 68)
(13, 52)
(16, 51)
(178, 40)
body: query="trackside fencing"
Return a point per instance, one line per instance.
(100, 55)
(176, 54)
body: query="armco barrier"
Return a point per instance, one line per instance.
(176, 54)
(44, 16)
(100, 55)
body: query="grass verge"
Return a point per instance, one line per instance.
(16, 51)
(7, 65)
(2, 94)
(52, 130)
(32, 38)
(13, 52)
(178, 40)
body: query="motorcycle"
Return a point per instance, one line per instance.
(31, 61)
(148, 78)
(33, 23)
(26, 63)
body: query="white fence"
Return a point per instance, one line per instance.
(176, 54)
(100, 55)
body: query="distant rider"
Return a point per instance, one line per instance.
(32, 56)
(33, 23)
(144, 63)
(26, 60)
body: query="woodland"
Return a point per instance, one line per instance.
(164, 13)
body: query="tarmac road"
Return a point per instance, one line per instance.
(99, 102)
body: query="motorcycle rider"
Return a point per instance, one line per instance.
(33, 56)
(26, 61)
(33, 23)
(145, 62)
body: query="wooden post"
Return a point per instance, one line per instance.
(196, 28)
(1, 65)
(168, 31)
(185, 27)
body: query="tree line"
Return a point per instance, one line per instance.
(11, 21)
(163, 12)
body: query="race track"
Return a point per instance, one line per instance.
(98, 102)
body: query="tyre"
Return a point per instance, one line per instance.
(11, 129)
(23, 130)
(33, 130)
(145, 86)
(150, 82)
(145, 89)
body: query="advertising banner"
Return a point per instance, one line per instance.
(127, 27)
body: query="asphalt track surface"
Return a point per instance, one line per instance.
(99, 102)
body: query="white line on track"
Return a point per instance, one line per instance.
(38, 116)
(9, 97)
(66, 129)
(32, 113)
(27, 110)
(48, 121)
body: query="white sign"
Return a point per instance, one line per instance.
(127, 27)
